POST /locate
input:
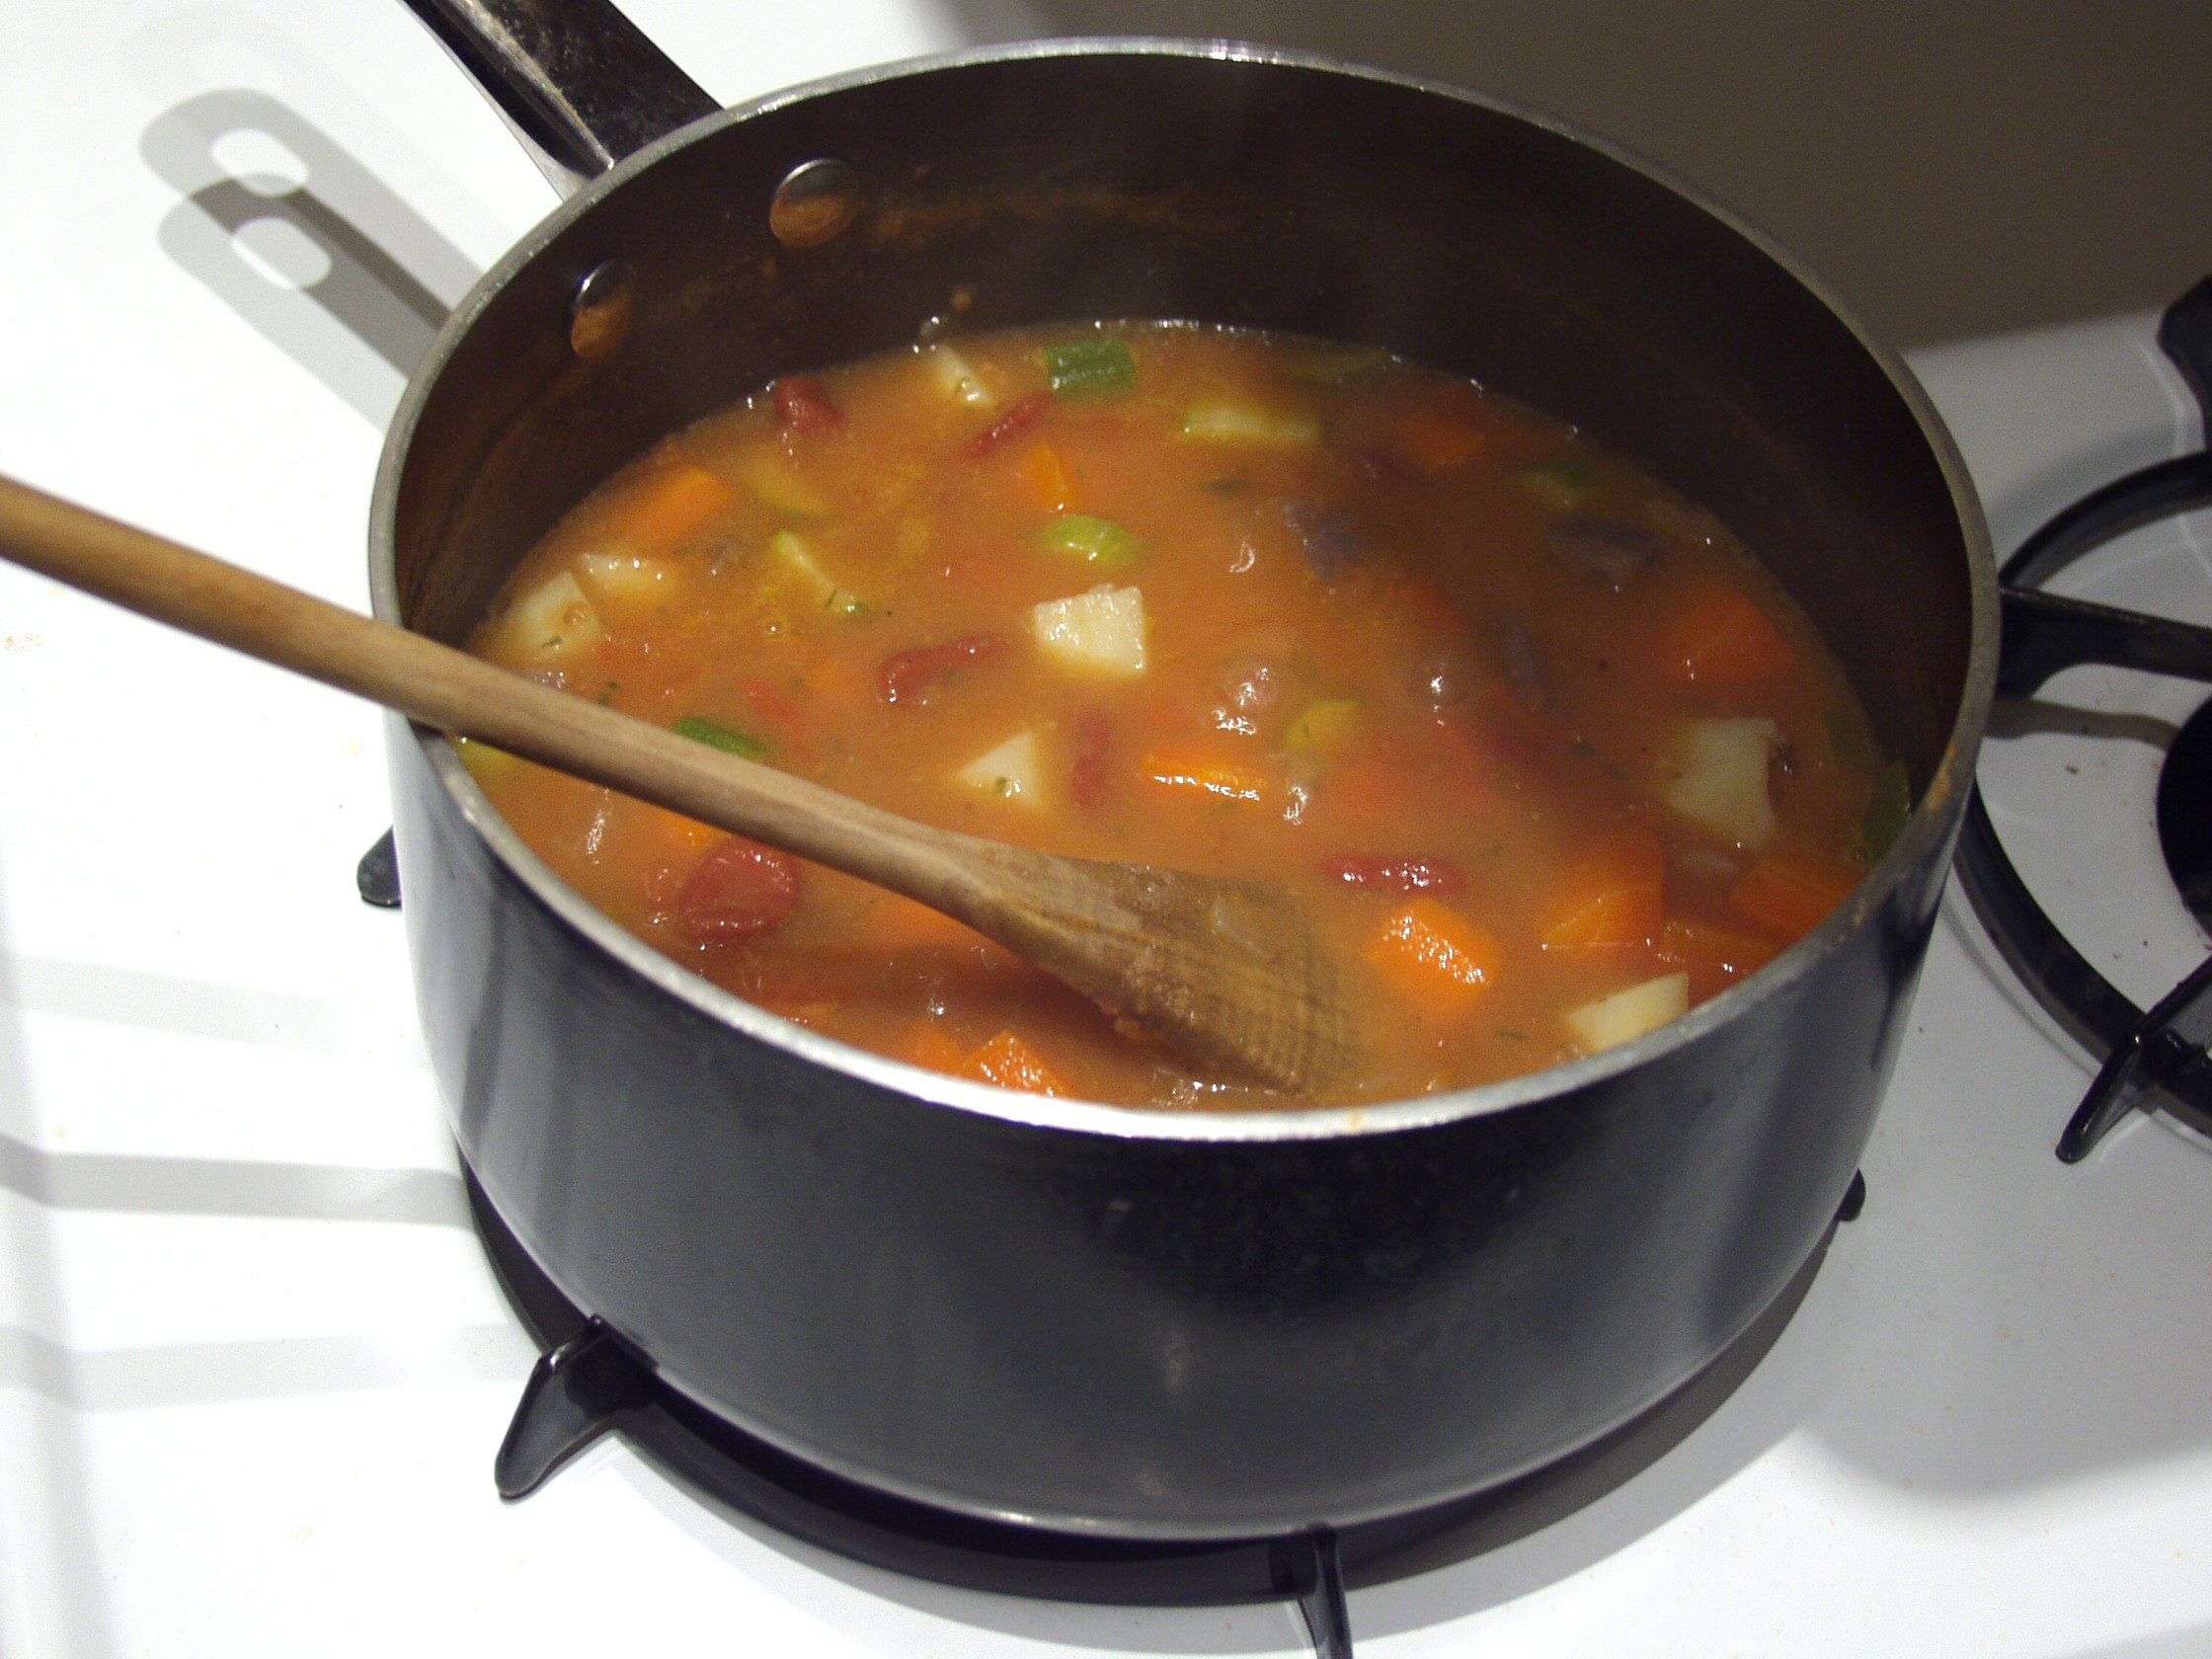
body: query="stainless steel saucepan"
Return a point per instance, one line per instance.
(1132, 1323)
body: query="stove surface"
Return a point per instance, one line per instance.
(253, 1364)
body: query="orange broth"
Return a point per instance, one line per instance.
(1548, 754)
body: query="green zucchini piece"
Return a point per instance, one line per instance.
(699, 729)
(1095, 541)
(1096, 367)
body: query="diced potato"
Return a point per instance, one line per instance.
(957, 378)
(795, 560)
(553, 622)
(1720, 778)
(626, 581)
(770, 477)
(1012, 771)
(1612, 1020)
(1102, 631)
(1251, 423)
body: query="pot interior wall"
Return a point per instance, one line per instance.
(1254, 195)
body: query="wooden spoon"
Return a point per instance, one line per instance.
(1225, 974)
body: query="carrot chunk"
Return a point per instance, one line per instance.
(1614, 898)
(928, 1044)
(1044, 480)
(1435, 958)
(670, 507)
(1194, 770)
(1714, 957)
(1012, 1063)
(1725, 640)
(1791, 892)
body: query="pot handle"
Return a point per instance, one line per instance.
(579, 83)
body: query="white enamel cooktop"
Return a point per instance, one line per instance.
(251, 1365)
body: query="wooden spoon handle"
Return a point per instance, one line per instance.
(1225, 973)
(462, 694)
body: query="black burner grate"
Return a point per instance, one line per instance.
(2042, 634)
(589, 1381)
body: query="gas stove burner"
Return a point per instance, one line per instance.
(2166, 1048)
(588, 1380)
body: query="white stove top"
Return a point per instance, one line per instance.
(253, 1367)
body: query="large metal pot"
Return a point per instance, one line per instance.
(1137, 1323)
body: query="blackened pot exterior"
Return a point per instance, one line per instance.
(1137, 1323)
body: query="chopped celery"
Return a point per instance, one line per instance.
(1095, 541)
(1251, 423)
(1886, 813)
(1338, 366)
(1091, 368)
(1845, 742)
(714, 735)
(1560, 483)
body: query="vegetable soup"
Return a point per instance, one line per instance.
(1549, 757)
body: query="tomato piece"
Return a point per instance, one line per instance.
(803, 404)
(909, 677)
(1023, 414)
(1395, 875)
(1088, 776)
(738, 890)
(1379, 466)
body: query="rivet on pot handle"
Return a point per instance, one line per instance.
(575, 80)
